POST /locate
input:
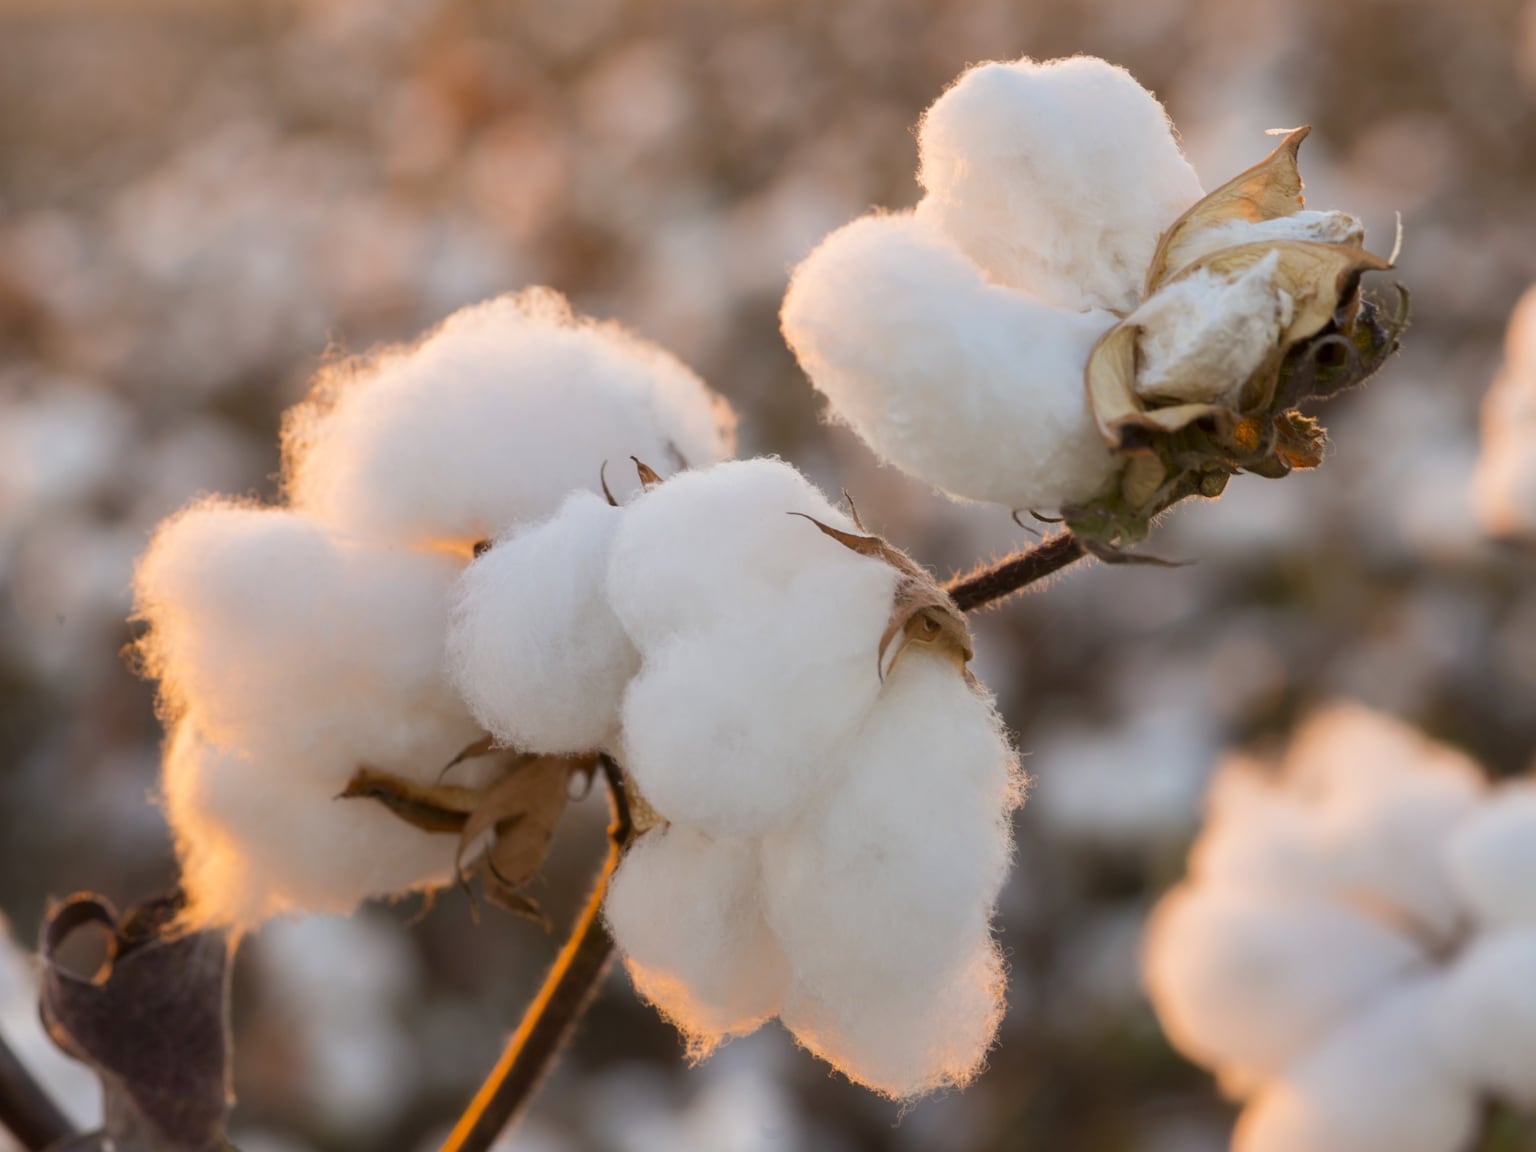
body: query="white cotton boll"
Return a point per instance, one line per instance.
(491, 420)
(1486, 1016)
(1492, 858)
(1376, 1085)
(974, 388)
(1202, 336)
(882, 894)
(1504, 486)
(731, 544)
(291, 659)
(1056, 177)
(533, 645)
(685, 912)
(1256, 838)
(1247, 984)
(1306, 225)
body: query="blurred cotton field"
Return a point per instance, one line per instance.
(200, 205)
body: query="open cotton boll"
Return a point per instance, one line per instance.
(726, 546)
(735, 730)
(684, 910)
(1486, 1016)
(1203, 333)
(1492, 858)
(490, 421)
(1055, 177)
(1376, 1085)
(1247, 984)
(1257, 837)
(1504, 485)
(533, 645)
(882, 894)
(262, 836)
(975, 388)
(281, 638)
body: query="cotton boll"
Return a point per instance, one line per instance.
(1504, 486)
(1257, 837)
(1247, 984)
(534, 647)
(973, 387)
(490, 421)
(685, 912)
(729, 545)
(1492, 858)
(1057, 178)
(882, 894)
(1486, 1016)
(263, 837)
(285, 640)
(1376, 1085)
(1204, 335)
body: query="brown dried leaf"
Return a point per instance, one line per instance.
(522, 810)
(430, 807)
(648, 475)
(1270, 189)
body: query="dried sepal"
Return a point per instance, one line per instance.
(649, 477)
(1111, 381)
(1268, 190)
(922, 612)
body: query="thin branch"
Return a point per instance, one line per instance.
(549, 1020)
(26, 1109)
(986, 586)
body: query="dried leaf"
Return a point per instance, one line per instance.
(153, 1024)
(430, 807)
(648, 475)
(522, 809)
(1270, 189)
(602, 479)
(1299, 440)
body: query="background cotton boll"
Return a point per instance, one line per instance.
(722, 546)
(1486, 1016)
(491, 420)
(1504, 486)
(1492, 858)
(685, 912)
(1247, 984)
(1376, 1085)
(1056, 178)
(736, 730)
(1257, 837)
(283, 640)
(902, 1039)
(974, 388)
(262, 836)
(534, 647)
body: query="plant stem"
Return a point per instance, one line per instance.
(985, 586)
(26, 1109)
(567, 990)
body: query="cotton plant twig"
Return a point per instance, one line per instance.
(560, 1003)
(986, 585)
(26, 1109)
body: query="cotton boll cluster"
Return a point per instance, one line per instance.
(1354, 950)
(1504, 487)
(295, 645)
(1059, 214)
(833, 793)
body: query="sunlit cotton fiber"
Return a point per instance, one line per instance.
(1504, 486)
(490, 421)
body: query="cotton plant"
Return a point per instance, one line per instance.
(1504, 485)
(1066, 323)
(300, 649)
(827, 788)
(1353, 951)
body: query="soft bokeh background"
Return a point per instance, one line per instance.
(198, 200)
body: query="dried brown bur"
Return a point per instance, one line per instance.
(1241, 432)
(518, 812)
(922, 614)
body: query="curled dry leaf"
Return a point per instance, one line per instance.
(923, 613)
(153, 1024)
(518, 812)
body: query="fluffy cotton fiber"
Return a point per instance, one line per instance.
(1504, 487)
(1356, 947)
(490, 421)
(832, 843)
(296, 645)
(288, 658)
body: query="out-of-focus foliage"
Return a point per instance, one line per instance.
(198, 200)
